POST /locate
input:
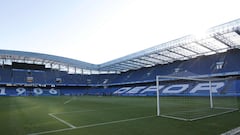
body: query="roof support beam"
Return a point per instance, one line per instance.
(179, 54)
(224, 40)
(130, 65)
(140, 61)
(114, 68)
(205, 46)
(122, 65)
(166, 56)
(189, 50)
(157, 57)
(127, 67)
(137, 63)
(147, 61)
(159, 60)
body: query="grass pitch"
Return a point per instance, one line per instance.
(101, 115)
(196, 108)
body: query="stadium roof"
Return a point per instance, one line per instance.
(215, 40)
(39, 58)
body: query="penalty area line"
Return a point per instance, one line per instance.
(235, 131)
(61, 120)
(92, 125)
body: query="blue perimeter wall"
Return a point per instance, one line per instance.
(220, 88)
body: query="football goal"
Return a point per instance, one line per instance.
(192, 98)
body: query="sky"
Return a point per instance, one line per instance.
(97, 31)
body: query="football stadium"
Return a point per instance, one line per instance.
(189, 85)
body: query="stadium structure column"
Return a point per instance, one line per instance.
(210, 94)
(158, 101)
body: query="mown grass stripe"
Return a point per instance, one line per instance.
(92, 125)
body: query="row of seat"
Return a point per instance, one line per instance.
(202, 65)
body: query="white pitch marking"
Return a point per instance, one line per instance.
(213, 115)
(68, 101)
(74, 112)
(61, 120)
(198, 118)
(92, 125)
(173, 117)
(235, 131)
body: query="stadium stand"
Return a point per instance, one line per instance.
(218, 59)
(106, 84)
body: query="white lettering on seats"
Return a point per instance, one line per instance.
(53, 91)
(151, 89)
(122, 90)
(38, 91)
(136, 89)
(205, 87)
(20, 91)
(2, 91)
(178, 88)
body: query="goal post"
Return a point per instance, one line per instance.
(192, 98)
(158, 97)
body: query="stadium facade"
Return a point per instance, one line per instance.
(212, 55)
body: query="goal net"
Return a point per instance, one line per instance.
(189, 99)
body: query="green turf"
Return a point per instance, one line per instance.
(25, 115)
(190, 108)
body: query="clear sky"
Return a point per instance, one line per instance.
(97, 31)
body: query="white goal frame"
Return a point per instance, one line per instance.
(209, 80)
